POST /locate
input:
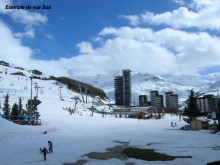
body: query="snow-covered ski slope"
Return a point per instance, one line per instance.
(78, 134)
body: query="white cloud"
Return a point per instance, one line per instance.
(30, 33)
(134, 19)
(203, 4)
(13, 51)
(85, 48)
(165, 51)
(194, 51)
(22, 16)
(11, 48)
(3, 3)
(49, 36)
(202, 14)
(179, 52)
(180, 2)
(28, 18)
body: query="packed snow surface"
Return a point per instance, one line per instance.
(74, 136)
(78, 134)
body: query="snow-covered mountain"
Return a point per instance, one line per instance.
(17, 83)
(143, 83)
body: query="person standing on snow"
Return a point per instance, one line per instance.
(50, 146)
(45, 153)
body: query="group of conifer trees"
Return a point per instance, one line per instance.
(17, 110)
(81, 87)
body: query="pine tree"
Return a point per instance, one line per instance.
(191, 109)
(6, 106)
(14, 111)
(20, 106)
(35, 113)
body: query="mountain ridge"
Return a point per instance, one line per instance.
(143, 83)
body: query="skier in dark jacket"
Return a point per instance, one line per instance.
(45, 153)
(50, 146)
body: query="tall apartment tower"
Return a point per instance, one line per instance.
(156, 99)
(142, 100)
(153, 95)
(122, 85)
(167, 98)
(118, 85)
(206, 103)
(126, 74)
(171, 100)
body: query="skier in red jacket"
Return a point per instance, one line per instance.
(45, 153)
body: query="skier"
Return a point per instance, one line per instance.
(50, 146)
(45, 153)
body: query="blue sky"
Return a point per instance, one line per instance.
(71, 22)
(84, 37)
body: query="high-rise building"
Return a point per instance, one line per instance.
(167, 99)
(118, 85)
(158, 102)
(207, 103)
(126, 74)
(122, 85)
(142, 100)
(171, 101)
(156, 99)
(153, 95)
